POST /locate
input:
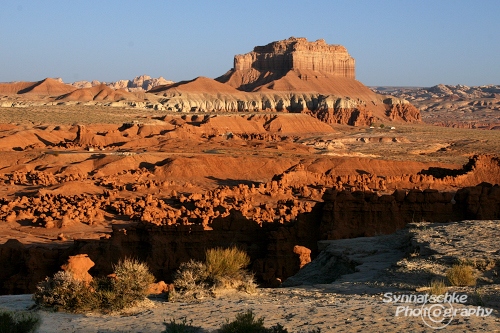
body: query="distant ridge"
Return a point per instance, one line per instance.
(140, 83)
(98, 93)
(48, 86)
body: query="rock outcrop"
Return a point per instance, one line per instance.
(457, 106)
(79, 266)
(298, 53)
(140, 83)
(423, 251)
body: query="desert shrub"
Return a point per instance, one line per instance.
(132, 281)
(226, 263)
(191, 274)
(223, 269)
(19, 321)
(245, 322)
(182, 327)
(63, 292)
(437, 287)
(191, 280)
(128, 285)
(461, 275)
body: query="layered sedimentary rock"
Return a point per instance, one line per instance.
(298, 53)
(454, 106)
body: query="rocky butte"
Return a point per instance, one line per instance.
(292, 75)
(298, 54)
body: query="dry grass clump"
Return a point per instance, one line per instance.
(222, 269)
(437, 287)
(227, 263)
(461, 275)
(127, 286)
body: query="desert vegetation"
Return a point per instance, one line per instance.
(461, 275)
(245, 322)
(223, 269)
(127, 286)
(437, 287)
(19, 321)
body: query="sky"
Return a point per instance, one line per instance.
(395, 43)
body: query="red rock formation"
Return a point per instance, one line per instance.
(400, 109)
(46, 87)
(304, 254)
(79, 266)
(298, 53)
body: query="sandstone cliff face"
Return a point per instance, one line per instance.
(298, 53)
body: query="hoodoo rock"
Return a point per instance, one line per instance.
(79, 266)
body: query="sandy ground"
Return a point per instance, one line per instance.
(332, 308)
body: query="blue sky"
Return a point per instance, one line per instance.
(398, 43)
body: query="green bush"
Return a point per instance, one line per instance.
(19, 321)
(129, 285)
(247, 323)
(191, 281)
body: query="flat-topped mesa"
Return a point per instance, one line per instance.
(298, 54)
